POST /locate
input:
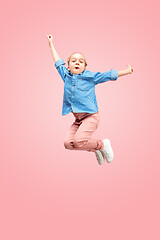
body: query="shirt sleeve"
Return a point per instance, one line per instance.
(106, 76)
(60, 66)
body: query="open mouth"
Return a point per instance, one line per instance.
(77, 67)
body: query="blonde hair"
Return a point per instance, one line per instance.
(71, 56)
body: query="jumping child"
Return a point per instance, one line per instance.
(80, 99)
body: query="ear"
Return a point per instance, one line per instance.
(68, 68)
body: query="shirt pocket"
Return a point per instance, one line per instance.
(85, 83)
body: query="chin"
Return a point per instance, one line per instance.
(76, 72)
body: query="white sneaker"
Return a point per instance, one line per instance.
(107, 151)
(99, 157)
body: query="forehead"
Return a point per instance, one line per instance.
(77, 55)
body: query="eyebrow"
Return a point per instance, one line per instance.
(75, 58)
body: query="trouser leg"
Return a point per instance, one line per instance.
(82, 138)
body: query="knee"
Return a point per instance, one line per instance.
(67, 144)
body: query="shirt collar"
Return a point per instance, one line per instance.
(76, 74)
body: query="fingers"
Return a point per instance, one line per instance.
(130, 68)
(49, 36)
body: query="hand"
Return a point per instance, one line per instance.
(50, 38)
(130, 69)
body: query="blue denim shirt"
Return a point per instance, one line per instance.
(79, 89)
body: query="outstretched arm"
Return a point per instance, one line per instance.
(129, 70)
(53, 50)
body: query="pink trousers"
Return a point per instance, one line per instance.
(79, 134)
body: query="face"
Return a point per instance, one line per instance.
(76, 64)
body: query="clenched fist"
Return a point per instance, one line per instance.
(50, 38)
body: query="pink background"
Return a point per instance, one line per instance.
(48, 192)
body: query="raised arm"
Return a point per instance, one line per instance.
(53, 50)
(129, 70)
